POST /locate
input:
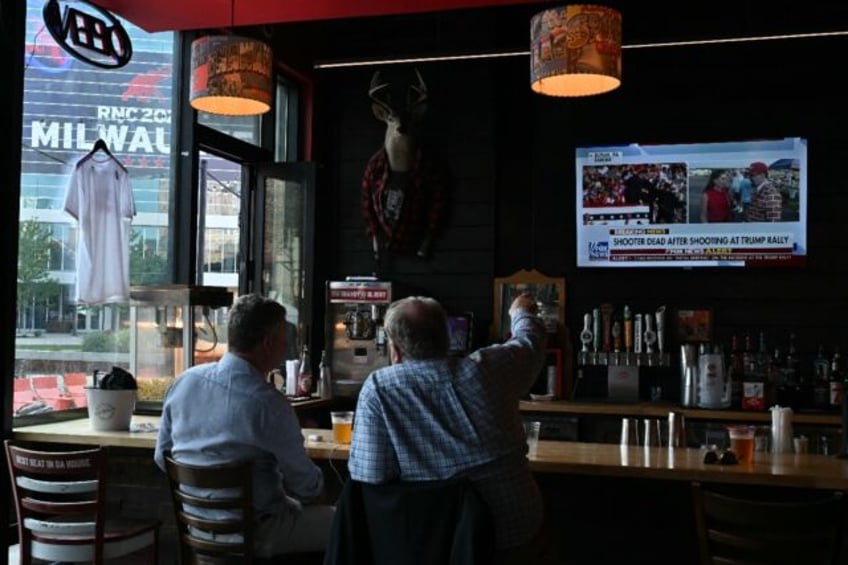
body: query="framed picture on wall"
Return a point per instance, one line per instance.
(694, 325)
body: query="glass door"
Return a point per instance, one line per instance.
(279, 257)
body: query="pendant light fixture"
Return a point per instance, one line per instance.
(575, 50)
(230, 75)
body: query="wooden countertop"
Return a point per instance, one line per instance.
(611, 460)
(79, 432)
(789, 470)
(661, 410)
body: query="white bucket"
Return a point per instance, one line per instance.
(110, 409)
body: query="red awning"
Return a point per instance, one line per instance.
(162, 15)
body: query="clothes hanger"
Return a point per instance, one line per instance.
(100, 145)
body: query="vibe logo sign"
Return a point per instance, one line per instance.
(92, 35)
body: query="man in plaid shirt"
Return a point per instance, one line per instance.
(429, 416)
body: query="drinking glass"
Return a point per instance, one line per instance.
(629, 431)
(742, 442)
(531, 432)
(342, 426)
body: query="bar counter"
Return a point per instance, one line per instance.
(558, 457)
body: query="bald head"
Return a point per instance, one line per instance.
(418, 327)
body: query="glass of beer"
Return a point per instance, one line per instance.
(342, 426)
(742, 442)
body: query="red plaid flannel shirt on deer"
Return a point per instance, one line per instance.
(421, 212)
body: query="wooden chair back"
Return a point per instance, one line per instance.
(204, 539)
(59, 498)
(740, 531)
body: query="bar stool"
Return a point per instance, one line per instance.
(736, 530)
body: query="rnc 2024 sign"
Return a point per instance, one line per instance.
(68, 104)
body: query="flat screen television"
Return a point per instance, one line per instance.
(729, 204)
(459, 333)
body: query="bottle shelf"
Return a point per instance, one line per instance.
(661, 409)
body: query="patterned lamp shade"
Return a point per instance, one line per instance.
(230, 75)
(575, 51)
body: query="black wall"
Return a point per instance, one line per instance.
(511, 155)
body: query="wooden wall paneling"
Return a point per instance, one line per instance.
(512, 158)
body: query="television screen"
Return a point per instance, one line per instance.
(729, 204)
(459, 333)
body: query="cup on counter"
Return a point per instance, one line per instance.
(652, 432)
(801, 444)
(342, 426)
(629, 431)
(531, 433)
(676, 430)
(742, 442)
(762, 439)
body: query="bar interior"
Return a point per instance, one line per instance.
(676, 218)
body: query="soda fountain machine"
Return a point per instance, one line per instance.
(355, 336)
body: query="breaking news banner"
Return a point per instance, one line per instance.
(660, 245)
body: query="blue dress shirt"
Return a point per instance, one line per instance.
(225, 412)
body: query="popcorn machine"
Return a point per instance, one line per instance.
(355, 336)
(173, 327)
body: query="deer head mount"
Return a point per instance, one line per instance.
(403, 188)
(402, 109)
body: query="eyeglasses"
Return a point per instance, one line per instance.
(727, 457)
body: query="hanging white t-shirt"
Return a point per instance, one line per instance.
(100, 198)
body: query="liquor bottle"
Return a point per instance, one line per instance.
(793, 362)
(767, 371)
(753, 386)
(304, 376)
(836, 377)
(763, 354)
(801, 393)
(821, 380)
(325, 385)
(737, 373)
(785, 393)
(748, 359)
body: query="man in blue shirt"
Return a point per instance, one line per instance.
(226, 411)
(429, 416)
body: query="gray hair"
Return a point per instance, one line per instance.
(252, 317)
(418, 327)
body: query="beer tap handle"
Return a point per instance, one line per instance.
(616, 336)
(637, 343)
(606, 323)
(628, 330)
(596, 330)
(586, 334)
(650, 334)
(660, 315)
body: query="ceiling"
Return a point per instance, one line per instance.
(169, 15)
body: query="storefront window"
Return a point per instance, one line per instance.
(220, 197)
(245, 128)
(68, 105)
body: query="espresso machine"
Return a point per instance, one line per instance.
(356, 339)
